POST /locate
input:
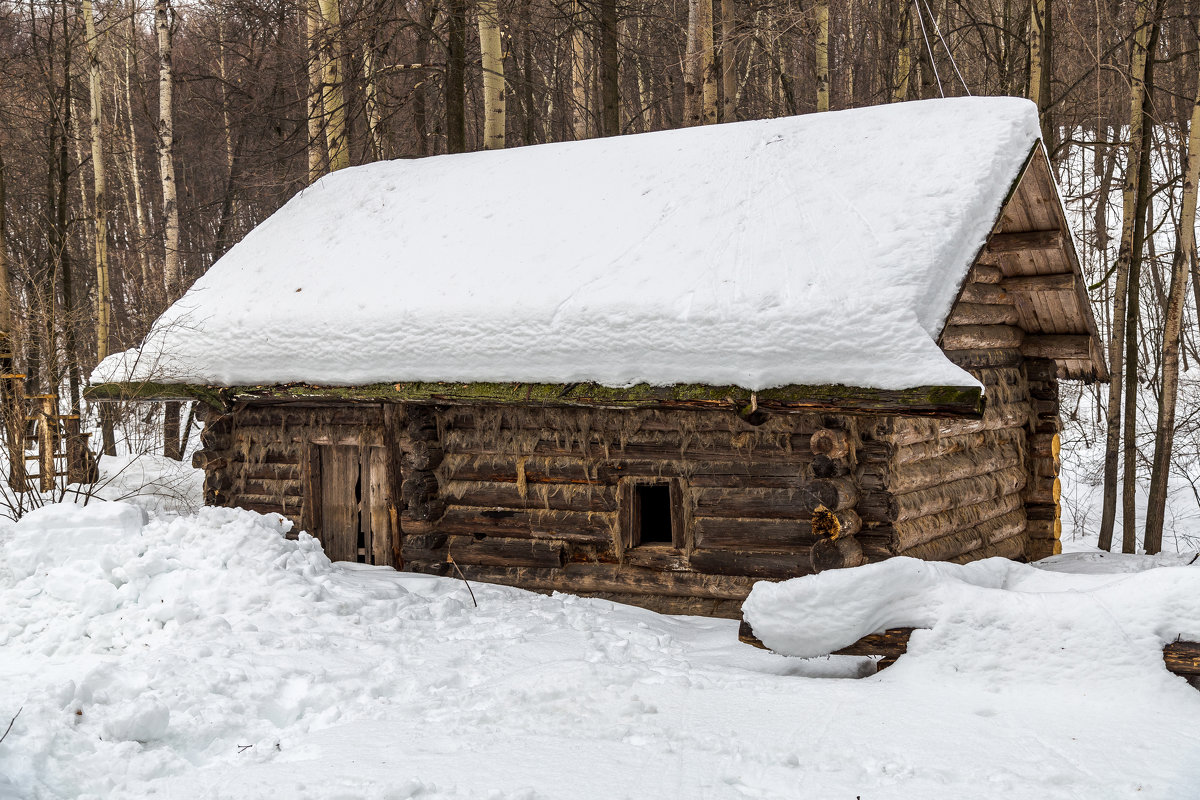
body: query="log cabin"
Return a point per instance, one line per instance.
(654, 368)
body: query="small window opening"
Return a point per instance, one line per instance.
(653, 519)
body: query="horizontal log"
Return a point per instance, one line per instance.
(826, 467)
(835, 554)
(917, 475)
(984, 359)
(534, 523)
(1053, 282)
(1045, 444)
(748, 534)
(981, 337)
(657, 556)
(781, 504)
(910, 533)
(826, 523)
(965, 541)
(1179, 657)
(488, 551)
(293, 415)
(1044, 491)
(504, 420)
(1058, 346)
(415, 455)
(271, 487)
(956, 494)
(1013, 547)
(983, 314)
(1037, 549)
(1044, 528)
(593, 577)
(875, 548)
(1025, 242)
(831, 443)
(984, 293)
(1182, 658)
(985, 273)
(951, 445)
(419, 486)
(1044, 511)
(746, 449)
(836, 494)
(264, 505)
(773, 566)
(674, 605)
(554, 496)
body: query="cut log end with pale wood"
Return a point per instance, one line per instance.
(832, 443)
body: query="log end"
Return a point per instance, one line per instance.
(835, 554)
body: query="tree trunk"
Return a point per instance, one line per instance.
(1129, 216)
(166, 150)
(491, 48)
(579, 82)
(332, 96)
(728, 63)
(610, 87)
(822, 55)
(99, 215)
(316, 112)
(456, 68)
(700, 80)
(1185, 261)
(903, 58)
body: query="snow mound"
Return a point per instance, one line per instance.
(1008, 621)
(152, 482)
(710, 255)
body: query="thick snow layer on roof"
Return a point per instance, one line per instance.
(818, 249)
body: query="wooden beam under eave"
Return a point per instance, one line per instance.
(1060, 347)
(1024, 241)
(1053, 282)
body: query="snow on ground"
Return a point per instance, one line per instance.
(706, 255)
(206, 656)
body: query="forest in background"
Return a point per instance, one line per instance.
(139, 141)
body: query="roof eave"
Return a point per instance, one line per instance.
(934, 401)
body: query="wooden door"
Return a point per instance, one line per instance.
(352, 488)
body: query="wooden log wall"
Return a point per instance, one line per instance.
(254, 457)
(536, 497)
(1042, 496)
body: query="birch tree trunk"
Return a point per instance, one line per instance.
(822, 11)
(1184, 263)
(371, 102)
(166, 150)
(332, 96)
(700, 80)
(316, 111)
(1125, 254)
(99, 215)
(729, 89)
(491, 48)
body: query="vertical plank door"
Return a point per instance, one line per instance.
(375, 520)
(340, 490)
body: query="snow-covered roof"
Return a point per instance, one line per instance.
(819, 249)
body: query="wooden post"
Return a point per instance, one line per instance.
(47, 427)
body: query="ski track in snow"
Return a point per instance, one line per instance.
(205, 656)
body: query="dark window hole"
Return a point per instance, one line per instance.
(654, 514)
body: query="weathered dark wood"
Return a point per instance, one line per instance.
(493, 551)
(981, 337)
(532, 523)
(752, 533)
(837, 553)
(913, 532)
(983, 314)
(1182, 658)
(1032, 284)
(969, 540)
(826, 467)
(831, 443)
(339, 506)
(774, 566)
(762, 503)
(1025, 242)
(918, 475)
(836, 494)
(953, 494)
(984, 293)
(1066, 346)
(561, 496)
